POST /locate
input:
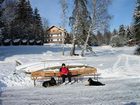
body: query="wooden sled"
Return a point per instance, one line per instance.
(75, 71)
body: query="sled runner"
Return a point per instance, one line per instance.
(75, 71)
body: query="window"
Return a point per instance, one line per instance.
(54, 39)
(55, 35)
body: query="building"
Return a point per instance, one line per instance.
(56, 35)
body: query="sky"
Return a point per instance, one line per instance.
(121, 11)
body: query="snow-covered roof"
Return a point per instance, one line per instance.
(16, 40)
(38, 41)
(24, 40)
(7, 40)
(56, 27)
(31, 41)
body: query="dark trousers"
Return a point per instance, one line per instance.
(66, 76)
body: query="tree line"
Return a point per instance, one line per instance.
(137, 25)
(90, 26)
(89, 22)
(19, 21)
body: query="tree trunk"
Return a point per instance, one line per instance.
(73, 47)
(86, 43)
(63, 42)
(90, 28)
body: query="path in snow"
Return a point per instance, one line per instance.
(115, 92)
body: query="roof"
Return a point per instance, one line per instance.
(56, 27)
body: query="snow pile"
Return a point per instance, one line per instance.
(8, 77)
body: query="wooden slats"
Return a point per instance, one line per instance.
(84, 71)
(80, 71)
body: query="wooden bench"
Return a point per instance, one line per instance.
(43, 75)
(76, 74)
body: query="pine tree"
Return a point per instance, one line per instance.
(107, 36)
(8, 12)
(22, 25)
(129, 34)
(100, 38)
(122, 31)
(114, 32)
(122, 35)
(137, 21)
(137, 25)
(29, 19)
(92, 40)
(1, 22)
(38, 27)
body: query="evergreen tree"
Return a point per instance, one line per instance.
(137, 25)
(107, 36)
(122, 35)
(129, 34)
(22, 25)
(116, 41)
(8, 14)
(30, 19)
(92, 40)
(38, 27)
(100, 38)
(119, 38)
(137, 21)
(45, 27)
(1, 22)
(114, 32)
(121, 31)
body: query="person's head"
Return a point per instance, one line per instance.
(63, 64)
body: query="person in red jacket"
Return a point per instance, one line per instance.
(64, 72)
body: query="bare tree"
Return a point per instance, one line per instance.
(99, 18)
(79, 22)
(64, 8)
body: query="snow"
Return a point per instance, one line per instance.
(7, 40)
(16, 40)
(38, 41)
(118, 67)
(24, 40)
(31, 41)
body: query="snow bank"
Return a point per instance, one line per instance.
(126, 66)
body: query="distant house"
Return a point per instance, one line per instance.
(56, 35)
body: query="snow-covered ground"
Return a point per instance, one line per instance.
(119, 68)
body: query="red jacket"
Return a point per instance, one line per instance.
(64, 70)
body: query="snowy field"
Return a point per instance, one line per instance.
(119, 69)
